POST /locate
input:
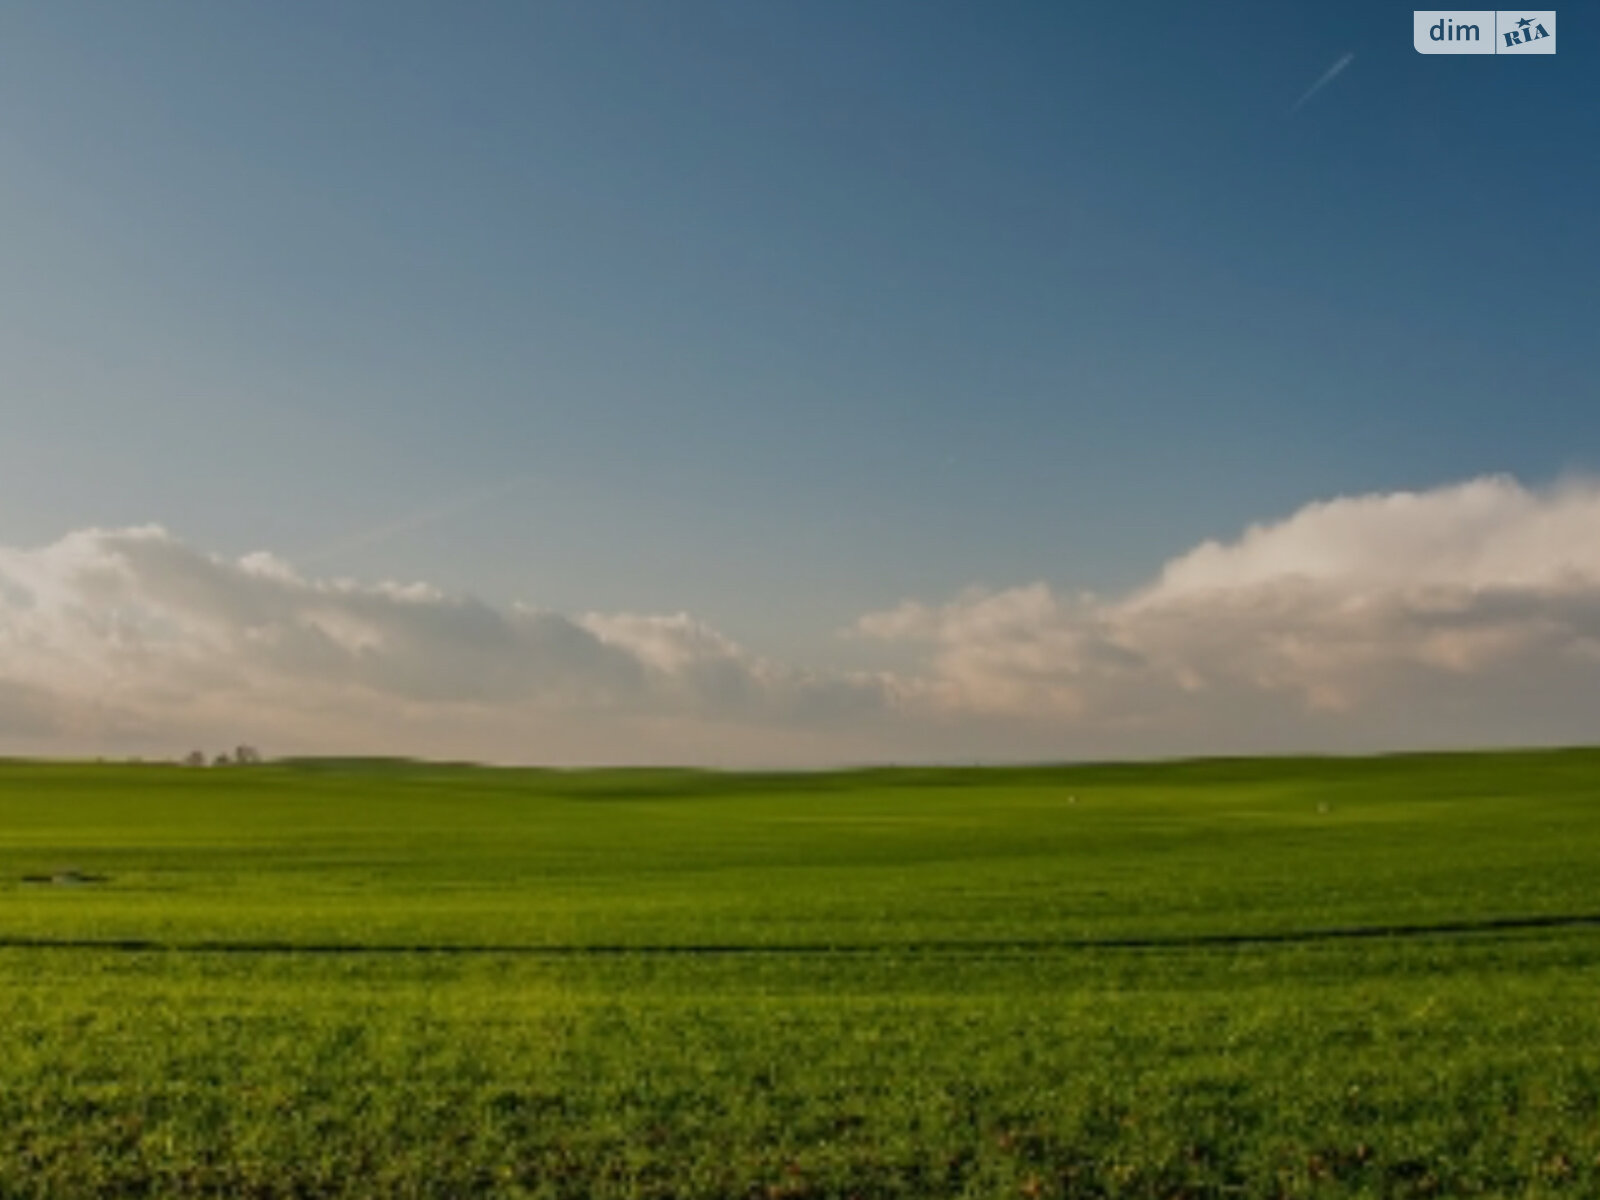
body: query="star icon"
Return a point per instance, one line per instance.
(1525, 22)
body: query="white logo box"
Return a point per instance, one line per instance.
(1484, 31)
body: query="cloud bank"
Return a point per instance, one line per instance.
(131, 637)
(1464, 615)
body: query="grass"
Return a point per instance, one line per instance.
(1370, 977)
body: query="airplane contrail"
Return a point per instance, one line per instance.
(415, 520)
(1328, 77)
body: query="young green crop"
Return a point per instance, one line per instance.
(1278, 977)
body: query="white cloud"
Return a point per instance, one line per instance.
(178, 644)
(1489, 532)
(1466, 614)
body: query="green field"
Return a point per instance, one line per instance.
(1375, 977)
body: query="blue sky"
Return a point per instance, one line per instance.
(777, 314)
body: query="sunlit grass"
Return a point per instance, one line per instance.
(379, 979)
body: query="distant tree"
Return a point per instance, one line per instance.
(195, 758)
(221, 760)
(245, 755)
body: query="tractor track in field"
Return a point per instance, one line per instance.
(931, 946)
